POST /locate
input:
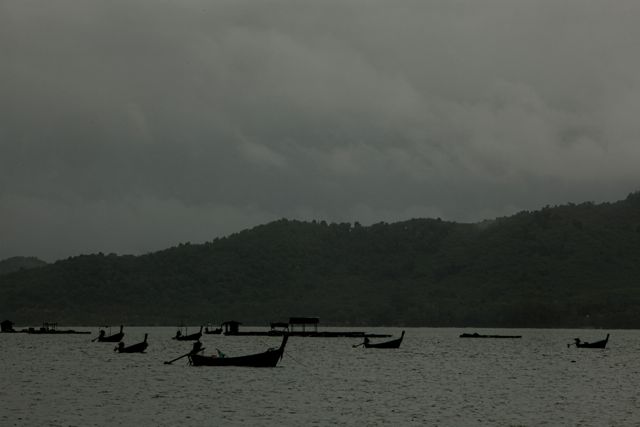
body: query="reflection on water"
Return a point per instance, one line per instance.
(434, 378)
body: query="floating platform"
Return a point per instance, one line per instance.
(53, 332)
(45, 329)
(477, 335)
(306, 327)
(34, 331)
(308, 334)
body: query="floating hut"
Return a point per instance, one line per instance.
(231, 327)
(7, 326)
(303, 322)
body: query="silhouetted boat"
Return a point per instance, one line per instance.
(109, 338)
(388, 344)
(135, 348)
(597, 344)
(477, 335)
(191, 337)
(268, 359)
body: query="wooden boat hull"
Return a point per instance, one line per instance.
(268, 359)
(389, 344)
(135, 348)
(597, 344)
(112, 338)
(191, 337)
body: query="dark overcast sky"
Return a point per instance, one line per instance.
(130, 126)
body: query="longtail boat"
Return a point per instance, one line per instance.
(387, 344)
(191, 337)
(597, 344)
(109, 338)
(268, 359)
(135, 348)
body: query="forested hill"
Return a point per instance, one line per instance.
(564, 266)
(18, 263)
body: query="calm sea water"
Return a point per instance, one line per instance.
(435, 378)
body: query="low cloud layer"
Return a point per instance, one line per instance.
(131, 126)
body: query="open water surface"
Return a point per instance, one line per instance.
(435, 378)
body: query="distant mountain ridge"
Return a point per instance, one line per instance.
(563, 266)
(17, 263)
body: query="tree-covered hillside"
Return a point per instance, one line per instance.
(564, 266)
(18, 263)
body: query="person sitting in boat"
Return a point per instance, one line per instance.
(197, 347)
(119, 347)
(366, 341)
(577, 340)
(101, 333)
(178, 334)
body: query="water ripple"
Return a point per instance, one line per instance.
(434, 379)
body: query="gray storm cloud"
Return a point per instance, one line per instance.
(132, 126)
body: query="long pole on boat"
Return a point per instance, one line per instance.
(177, 358)
(93, 340)
(184, 355)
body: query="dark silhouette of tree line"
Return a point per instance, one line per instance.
(564, 266)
